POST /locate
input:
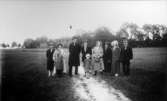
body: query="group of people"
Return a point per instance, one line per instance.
(97, 59)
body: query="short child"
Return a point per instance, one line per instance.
(87, 65)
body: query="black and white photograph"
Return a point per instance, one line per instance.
(83, 50)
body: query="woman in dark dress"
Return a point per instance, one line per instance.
(107, 57)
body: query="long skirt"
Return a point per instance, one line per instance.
(98, 65)
(50, 65)
(66, 67)
(115, 67)
(107, 67)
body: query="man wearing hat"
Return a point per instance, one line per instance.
(50, 62)
(74, 56)
(125, 56)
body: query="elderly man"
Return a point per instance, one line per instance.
(74, 56)
(125, 56)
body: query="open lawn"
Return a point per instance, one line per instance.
(24, 77)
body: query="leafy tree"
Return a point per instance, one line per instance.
(3, 45)
(156, 37)
(29, 43)
(103, 34)
(122, 33)
(42, 39)
(14, 44)
(131, 31)
(19, 45)
(147, 28)
(164, 39)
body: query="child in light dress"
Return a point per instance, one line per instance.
(87, 65)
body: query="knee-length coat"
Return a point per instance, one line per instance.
(58, 60)
(126, 54)
(49, 56)
(74, 54)
(116, 60)
(107, 59)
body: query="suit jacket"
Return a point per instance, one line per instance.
(126, 54)
(49, 55)
(74, 54)
(88, 51)
(107, 56)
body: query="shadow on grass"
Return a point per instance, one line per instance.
(24, 79)
(38, 88)
(141, 85)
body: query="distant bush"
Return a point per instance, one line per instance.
(138, 37)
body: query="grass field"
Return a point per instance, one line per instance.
(24, 77)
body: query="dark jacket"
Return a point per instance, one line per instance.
(88, 51)
(49, 56)
(116, 54)
(74, 54)
(126, 54)
(107, 56)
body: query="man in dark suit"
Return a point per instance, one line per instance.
(107, 57)
(74, 55)
(125, 56)
(50, 62)
(85, 50)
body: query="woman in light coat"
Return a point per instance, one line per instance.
(97, 60)
(58, 60)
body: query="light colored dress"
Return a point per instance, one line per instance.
(58, 59)
(97, 60)
(65, 58)
(87, 65)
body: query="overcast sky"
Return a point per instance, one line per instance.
(30, 19)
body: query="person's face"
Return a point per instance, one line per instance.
(98, 43)
(87, 57)
(125, 43)
(106, 45)
(51, 46)
(74, 40)
(59, 47)
(85, 43)
(114, 44)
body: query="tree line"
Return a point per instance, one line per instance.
(14, 44)
(149, 35)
